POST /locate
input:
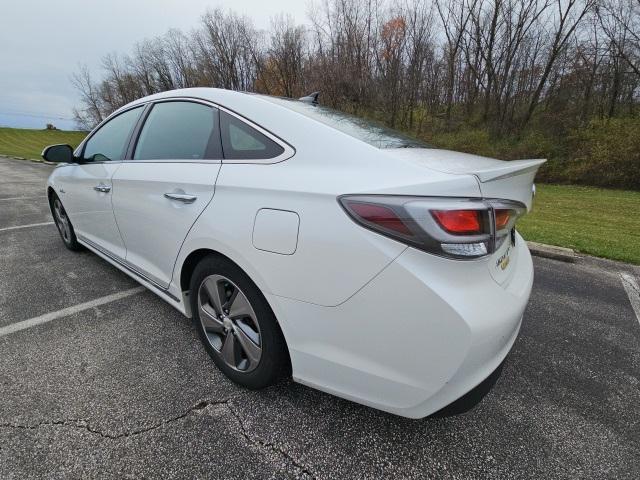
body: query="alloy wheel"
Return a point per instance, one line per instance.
(62, 221)
(230, 323)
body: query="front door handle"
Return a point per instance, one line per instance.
(181, 197)
(101, 187)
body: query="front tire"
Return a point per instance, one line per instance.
(236, 324)
(65, 227)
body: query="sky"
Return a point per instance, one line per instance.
(43, 42)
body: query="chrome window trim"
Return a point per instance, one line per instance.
(174, 160)
(171, 160)
(288, 150)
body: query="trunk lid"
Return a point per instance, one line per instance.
(509, 180)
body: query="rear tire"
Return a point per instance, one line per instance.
(65, 227)
(236, 324)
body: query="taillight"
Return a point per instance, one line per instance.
(451, 227)
(459, 222)
(502, 218)
(380, 215)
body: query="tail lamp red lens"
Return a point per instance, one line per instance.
(379, 215)
(460, 228)
(459, 222)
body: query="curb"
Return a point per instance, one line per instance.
(35, 160)
(551, 251)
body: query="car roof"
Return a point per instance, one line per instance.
(215, 95)
(294, 128)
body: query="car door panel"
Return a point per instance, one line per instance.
(87, 199)
(168, 182)
(154, 208)
(86, 188)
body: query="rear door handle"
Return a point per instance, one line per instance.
(181, 197)
(101, 187)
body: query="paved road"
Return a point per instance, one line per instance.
(124, 389)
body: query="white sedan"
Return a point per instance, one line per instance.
(306, 242)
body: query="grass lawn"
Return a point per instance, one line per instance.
(25, 143)
(600, 222)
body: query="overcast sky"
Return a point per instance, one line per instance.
(42, 42)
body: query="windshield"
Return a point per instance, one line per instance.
(368, 131)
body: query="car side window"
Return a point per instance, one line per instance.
(180, 131)
(243, 142)
(111, 140)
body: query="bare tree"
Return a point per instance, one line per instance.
(224, 56)
(568, 16)
(492, 64)
(455, 17)
(620, 20)
(91, 112)
(285, 57)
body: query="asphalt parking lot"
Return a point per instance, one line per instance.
(124, 389)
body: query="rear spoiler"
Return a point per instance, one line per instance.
(508, 169)
(511, 180)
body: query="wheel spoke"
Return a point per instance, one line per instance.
(212, 286)
(209, 319)
(229, 300)
(229, 323)
(251, 350)
(57, 208)
(229, 349)
(240, 307)
(62, 222)
(65, 226)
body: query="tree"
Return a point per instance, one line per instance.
(91, 112)
(489, 64)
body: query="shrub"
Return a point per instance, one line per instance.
(606, 153)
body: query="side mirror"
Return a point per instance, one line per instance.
(58, 154)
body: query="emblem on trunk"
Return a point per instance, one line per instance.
(503, 261)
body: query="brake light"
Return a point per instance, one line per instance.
(379, 215)
(449, 227)
(459, 222)
(502, 218)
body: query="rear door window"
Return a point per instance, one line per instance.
(180, 131)
(243, 142)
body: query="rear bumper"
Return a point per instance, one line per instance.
(472, 397)
(417, 337)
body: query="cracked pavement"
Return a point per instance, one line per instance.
(221, 411)
(125, 390)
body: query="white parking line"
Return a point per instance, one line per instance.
(17, 227)
(22, 198)
(633, 292)
(47, 317)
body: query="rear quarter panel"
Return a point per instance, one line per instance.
(334, 257)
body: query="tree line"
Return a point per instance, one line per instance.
(424, 66)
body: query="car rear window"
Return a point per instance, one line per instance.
(369, 131)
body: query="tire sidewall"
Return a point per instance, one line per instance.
(274, 358)
(72, 244)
